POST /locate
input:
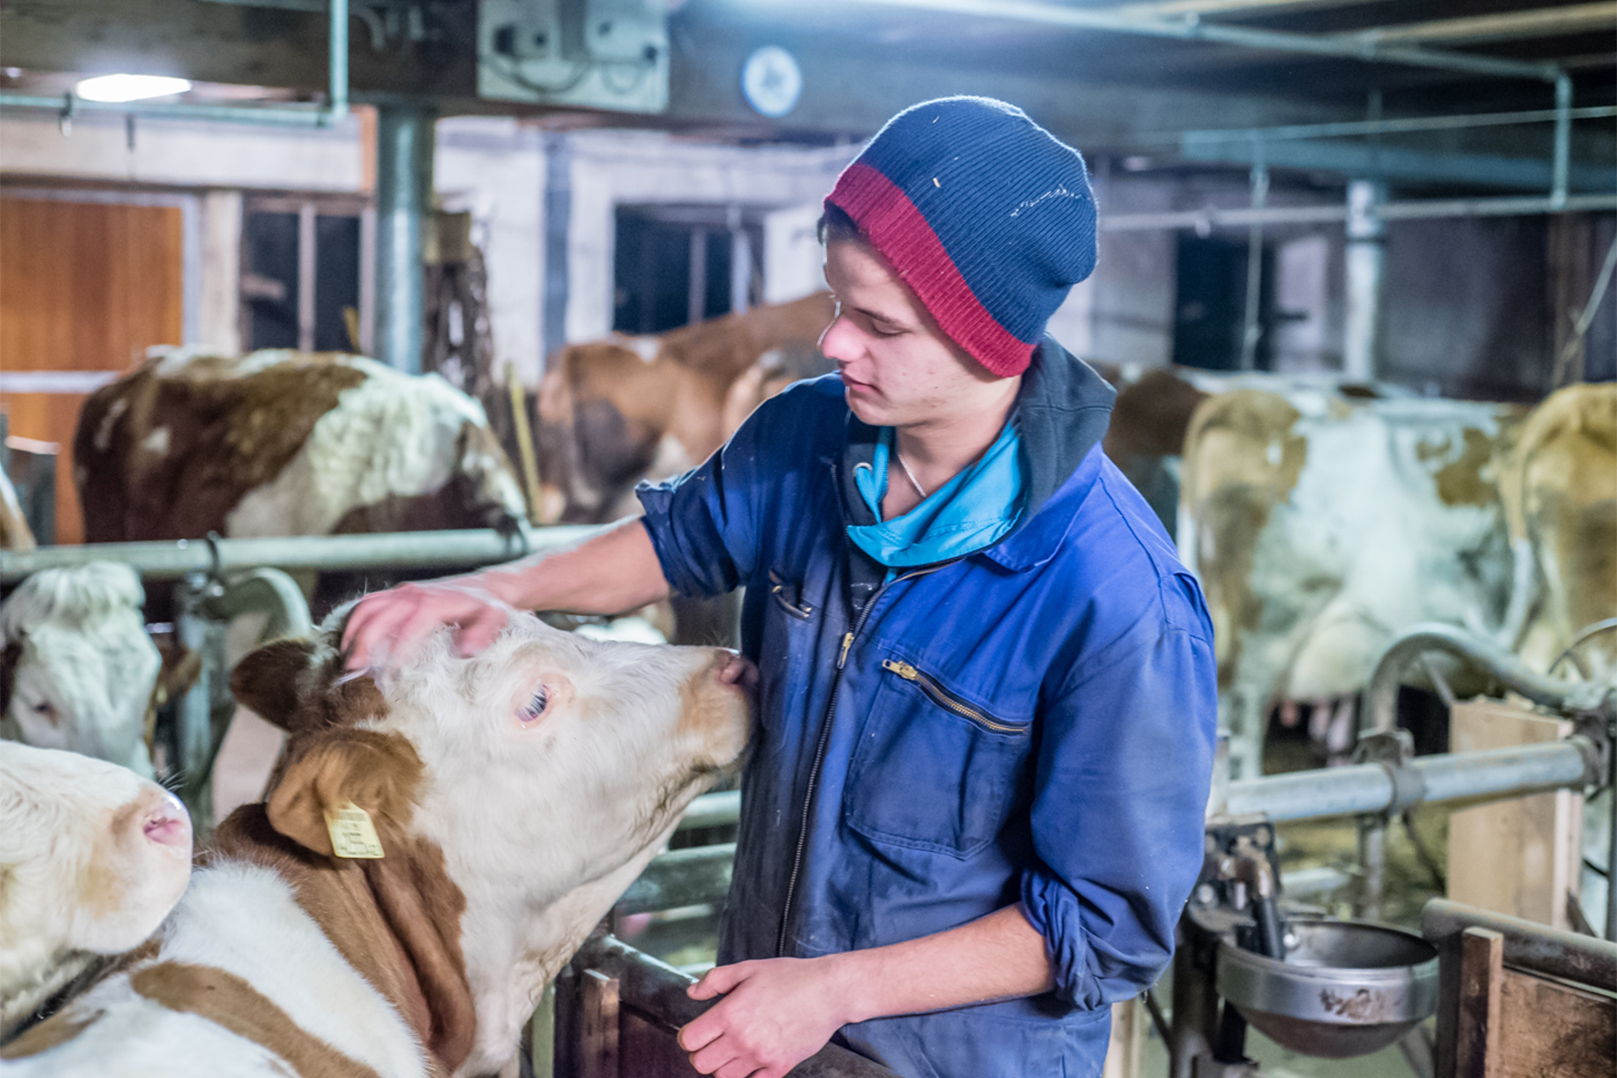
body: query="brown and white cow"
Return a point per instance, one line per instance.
(92, 858)
(1321, 525)
(1561, 502)
(513, 797)
(617, 411)
(280, 443)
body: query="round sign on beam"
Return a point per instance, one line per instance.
(771, 81)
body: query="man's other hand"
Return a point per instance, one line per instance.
(775, 1013)
(387, 628)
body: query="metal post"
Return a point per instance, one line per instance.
(1563, 140)
(1611, 844)
(1366, 261)
(337, 106)
(1252, 330)
(404, 143)
(558, 215)
(194, 713)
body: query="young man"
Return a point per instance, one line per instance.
(986, 685)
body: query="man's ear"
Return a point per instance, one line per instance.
(377, 772)
(266, 681)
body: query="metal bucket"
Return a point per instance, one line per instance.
(1346, 988)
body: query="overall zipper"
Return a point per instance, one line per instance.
(948, 700)
(820, 747)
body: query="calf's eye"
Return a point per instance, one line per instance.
(535, 707)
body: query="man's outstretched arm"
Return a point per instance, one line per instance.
(612, 573)
(777, 1012)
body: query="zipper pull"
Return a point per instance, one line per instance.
(847, 642)
(902, 669)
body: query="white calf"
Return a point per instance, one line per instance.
(78, 669)
(92, 858)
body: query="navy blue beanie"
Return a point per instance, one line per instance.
(985, 214)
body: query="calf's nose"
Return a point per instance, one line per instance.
(166, 823)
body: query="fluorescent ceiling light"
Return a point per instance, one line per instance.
(120, 88)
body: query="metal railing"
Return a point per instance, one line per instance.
(390, 550)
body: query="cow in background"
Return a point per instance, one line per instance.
(487, 812)
(1321, 525)
(1560, 493)
(78, 671)
(617, 411)
(278, 443)
(92, 858)
(14, 531)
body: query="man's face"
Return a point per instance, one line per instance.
(899, 368)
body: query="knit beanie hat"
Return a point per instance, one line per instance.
(981, 211)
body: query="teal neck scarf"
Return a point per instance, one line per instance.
(969, 513)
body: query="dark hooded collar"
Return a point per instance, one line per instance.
(1063, 408)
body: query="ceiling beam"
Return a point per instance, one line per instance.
(1247, 37)
(1502, 26)
(1179, 9)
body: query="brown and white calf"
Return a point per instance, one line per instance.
(514, 796)
(92, 858)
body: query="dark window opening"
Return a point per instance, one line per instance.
(677, 265)
(1210, 304)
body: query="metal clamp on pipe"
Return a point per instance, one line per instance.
(1393, 750)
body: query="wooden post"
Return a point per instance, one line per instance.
(1476, 1048)
(1124, 1052)
(1522, 856)
(598, 1052)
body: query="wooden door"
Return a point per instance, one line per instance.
(84, 286)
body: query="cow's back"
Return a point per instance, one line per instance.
(283, 443)
(1561, 499)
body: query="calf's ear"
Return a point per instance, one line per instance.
(376, 771)
(266, 681)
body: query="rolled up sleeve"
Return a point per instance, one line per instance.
(1122, 781)
(703, 524)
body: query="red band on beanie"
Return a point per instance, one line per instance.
(901, 233)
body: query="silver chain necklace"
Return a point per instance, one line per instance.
(909, 474)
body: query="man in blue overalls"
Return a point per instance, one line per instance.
(973, 806)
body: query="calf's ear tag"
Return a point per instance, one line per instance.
(352, 833)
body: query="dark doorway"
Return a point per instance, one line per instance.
(1210, 304)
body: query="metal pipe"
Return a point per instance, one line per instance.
(1476, 650)
(1611, 845)
(1251, 330)
(337, 62)
(271, 115)
(1365, 256)
(1414, 210)
(1527, 945)
(1194, 29)
(1369, 788)
(393, 550)
(1563, 140)
(712, 810)
(1404, 125)
(404, 145)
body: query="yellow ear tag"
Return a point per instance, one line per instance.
(352, 833)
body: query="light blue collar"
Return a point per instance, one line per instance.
(970, 512)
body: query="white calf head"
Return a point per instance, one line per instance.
(92, 858)
(79, 667)
(536, 779)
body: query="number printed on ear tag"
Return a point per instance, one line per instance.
(352, 833)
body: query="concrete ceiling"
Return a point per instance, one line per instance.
(1109, 91)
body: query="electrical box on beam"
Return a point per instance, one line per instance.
(598, 54)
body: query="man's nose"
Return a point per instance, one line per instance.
(838, 341)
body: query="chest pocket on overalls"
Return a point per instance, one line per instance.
(933, 770)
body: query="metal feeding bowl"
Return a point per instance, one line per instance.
(1346, 988)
